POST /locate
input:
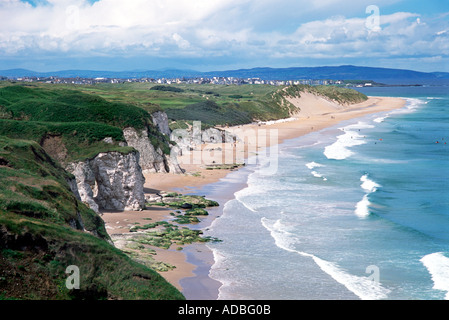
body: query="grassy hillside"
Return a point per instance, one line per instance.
(216, 104)
(81, 120)
(38, 104)
(44, 229)
(77, 140)
(211, 114)
(212, 104)
(34, 185)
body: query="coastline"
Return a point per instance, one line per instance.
(194, 261)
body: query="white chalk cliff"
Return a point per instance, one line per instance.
(113, 180)
(110, 181)
(151, 159)
(160, 120)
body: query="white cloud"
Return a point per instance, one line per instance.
(205, 28)
(180, 41)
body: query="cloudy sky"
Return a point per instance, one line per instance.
(206, 35)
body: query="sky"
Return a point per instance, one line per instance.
(212, 35)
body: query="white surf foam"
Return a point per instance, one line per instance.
(369, 185)
(438, 266)
(318, 175)
(380, 119)
(362, 208)
(312, 165)
(411, 106)
(219, 264)
(339, 150)
(363, 287)
(239, 195)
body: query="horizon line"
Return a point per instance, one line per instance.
(225, 70)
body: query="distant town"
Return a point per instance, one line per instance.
(198, 80)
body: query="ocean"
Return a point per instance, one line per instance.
(355, 211)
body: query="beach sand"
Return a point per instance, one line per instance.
(316, 114)
(118, 223)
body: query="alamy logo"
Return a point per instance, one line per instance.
(72, 18)
(372, 22)
(73, 281)
(374, 273)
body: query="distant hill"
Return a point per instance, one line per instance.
(346, 72)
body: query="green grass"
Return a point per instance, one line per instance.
(210, 113)
(83, 140)
(34, 185)
(38, 104)
(44, 229)
(82, 120)
(105, 272)
(167, 88)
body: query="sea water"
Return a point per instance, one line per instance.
(356, 211)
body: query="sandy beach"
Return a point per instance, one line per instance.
(316, 114)
(118, 223)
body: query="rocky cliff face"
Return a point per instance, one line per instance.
(160, 120)
(114, 181)
(151, 160)
(110, 181)
(188, 140)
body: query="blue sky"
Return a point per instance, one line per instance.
(49, 35)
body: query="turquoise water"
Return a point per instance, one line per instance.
(356, 211)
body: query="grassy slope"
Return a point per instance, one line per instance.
(39, 104)
(34, 185)
(39, 239)
(82, 120)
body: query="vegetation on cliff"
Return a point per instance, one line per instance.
(44, 229)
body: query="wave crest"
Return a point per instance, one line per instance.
(339, 150)
(438, 266)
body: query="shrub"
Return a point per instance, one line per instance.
(167, 88)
